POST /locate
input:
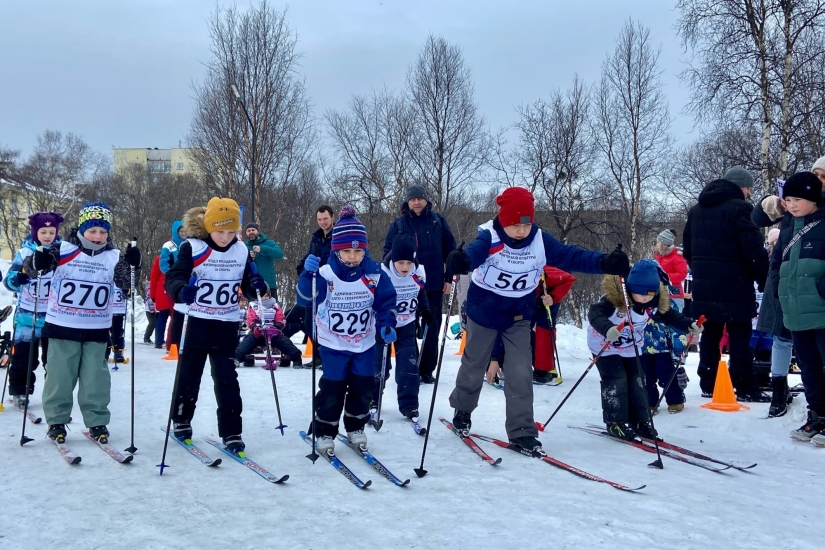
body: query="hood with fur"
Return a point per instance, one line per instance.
(193, 223)
(612, 287)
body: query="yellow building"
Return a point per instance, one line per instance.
(175, 161)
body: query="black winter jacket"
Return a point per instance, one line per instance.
(320, 245)
(724, 250)
(432, 237)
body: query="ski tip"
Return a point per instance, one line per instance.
(38, 420)
(75, 461)
(127, 459)
(404, 483)
(282, 479)
(633, 490)
(420, 472)
(496, 462)
(215, 462)
(366, 484)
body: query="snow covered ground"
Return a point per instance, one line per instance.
(462, 503)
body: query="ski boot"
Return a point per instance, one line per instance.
(182, 431)
(527, 442)
(286, 362)
(57, 432)
(357, 438)
(325, 444)
(646, 430)
(543, 376)
(462, 422)
(427, 379)
(412, 414)
(20, 401)
(373, 411)
(621, 431)
(819, 440)
(119, 357)
(249, 361)
(813, 427)
(316, 363)
(234, 444)
(99, 434)
(675, 408)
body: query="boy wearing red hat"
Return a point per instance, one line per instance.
(507, 259)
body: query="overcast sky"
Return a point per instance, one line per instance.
(119, 73)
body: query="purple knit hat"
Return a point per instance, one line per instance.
(44, 219)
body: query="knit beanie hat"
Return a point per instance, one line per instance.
(820, 163)
(348, 231)
(403, 248)
(94, 214)
(666, 237)
(803, 185)
(643, 278)
(739, 176)
(39, 220)
(222, 214)
(416, 192)
(773, 235)
(251, 225)
(516, 205)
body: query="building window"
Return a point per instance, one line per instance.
(14, 233)
(180, 166)
(15, 209)
(159, 167)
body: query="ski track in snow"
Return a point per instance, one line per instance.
(461, 503)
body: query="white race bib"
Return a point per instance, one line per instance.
(406, 290)
(219, 276)
(511, 272)
(345, 319)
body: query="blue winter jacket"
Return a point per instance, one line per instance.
(491, 310)
(169, 251)
(385, 297)
(23, 319)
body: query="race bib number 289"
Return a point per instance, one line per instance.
(84, 294)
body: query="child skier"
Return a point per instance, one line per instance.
(270, 328)
(798, 277)
(507, 259)
(354, 302)
(44, 228)
(623, 400)
(408, 278)
(79, 314)
(220, 262)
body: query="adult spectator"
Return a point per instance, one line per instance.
(726, 256)
(264, 252)
(673, 262)
(434, 242)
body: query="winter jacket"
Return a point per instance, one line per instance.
(320, 246)
(558, 283)
(433, 239)
(383, 304)
(498, 312)
(156, 292)
(253, 317)
(203, 333)
(265, 259)
(800, 274)
(676, 268)
(169, 251)
(725, 253)
(23, 319)
(771, 318)
(423, 302)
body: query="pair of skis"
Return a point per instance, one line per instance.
(74, 459)
(342, 468)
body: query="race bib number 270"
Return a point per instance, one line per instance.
(78, 294)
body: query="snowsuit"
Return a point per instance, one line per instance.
(24, 318)
(623, 400)
(660, 345)
(799, 277)
(501, 301)
(77, 324)
(273, 324)
(411, 299)
(353, 305)
(212, 331)
(726, 256)
(434, 241)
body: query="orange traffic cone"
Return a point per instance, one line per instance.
(723, 397)
(172, 355)
(463, 342)
(308, 350)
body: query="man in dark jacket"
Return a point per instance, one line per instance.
(726, 256)
(435, 241)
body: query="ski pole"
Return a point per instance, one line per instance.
(162, 465)
(281, 425)
(378, 422)
(131, 448)
(420, 471)
(5, 349)
(33, 345)
(313, 456)
(541, 427)
(682, 357)
(658, 462)
(552, 327)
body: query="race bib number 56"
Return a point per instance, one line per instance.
(90, 295)
(512, 282)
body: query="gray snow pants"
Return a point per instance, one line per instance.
(518, 388)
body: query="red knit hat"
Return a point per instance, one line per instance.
(516, 205)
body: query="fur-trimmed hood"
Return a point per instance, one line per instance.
(612, 287)
(193, 223)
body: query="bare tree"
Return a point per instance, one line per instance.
(256, 51)
(632, 122)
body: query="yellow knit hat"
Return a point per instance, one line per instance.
(222, 214)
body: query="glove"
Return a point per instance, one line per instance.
(272, 332)
(188, 294)
(695, 329)
(258, 331)
(45, 259)
(132, 256)
(458, 262)
(21, 279)
(616, 263)
(312, 263)
(772, 206)
(613, 334)
(426, 316)
(682, 377)
(388, 335)
(257, 283)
